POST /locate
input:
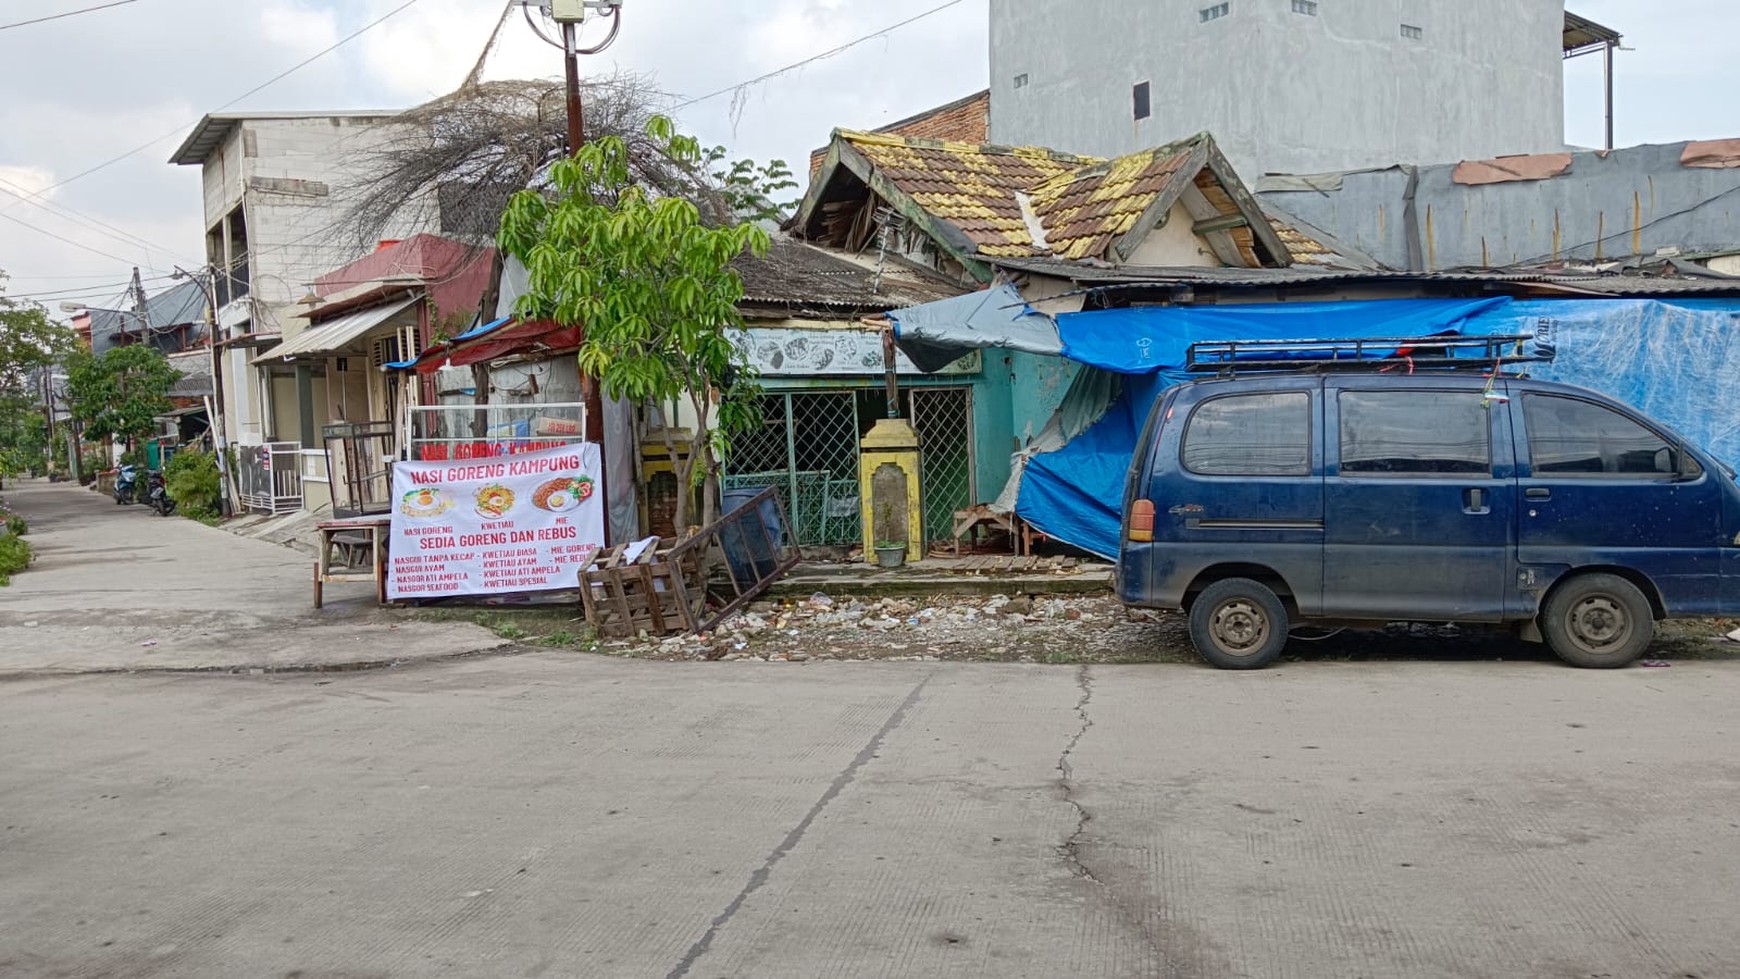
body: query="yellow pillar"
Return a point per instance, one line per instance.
(891, 442)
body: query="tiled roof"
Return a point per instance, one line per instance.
(1083, 210)
(986, 202)
(972, 187)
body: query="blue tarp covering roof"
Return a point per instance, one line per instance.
(1677, 361)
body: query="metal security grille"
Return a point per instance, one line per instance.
(944, 420)
(808, 447)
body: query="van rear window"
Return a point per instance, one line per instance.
(1414, 433)
(1250, 435)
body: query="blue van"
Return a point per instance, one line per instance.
(1257, 503)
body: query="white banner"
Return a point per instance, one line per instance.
(517, 523)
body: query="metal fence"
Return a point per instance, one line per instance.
(808, 448)
(943, 418)
(270, 476)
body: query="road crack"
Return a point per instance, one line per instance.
(1070, 848)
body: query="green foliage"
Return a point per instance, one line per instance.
(119, 394)
(651, 282)
(192, 480)
(23, 436)
(12, 523)
(29, 342)
(749, 189)
(15, 556)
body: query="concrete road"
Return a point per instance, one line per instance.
(572, 815)
(119, 588)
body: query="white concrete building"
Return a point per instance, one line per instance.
(1290, 86)
(276, 188)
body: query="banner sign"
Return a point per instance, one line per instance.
(788, 351)
(518, 523)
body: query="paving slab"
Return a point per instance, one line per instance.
(119, 588)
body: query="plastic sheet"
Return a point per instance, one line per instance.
(1678, 362)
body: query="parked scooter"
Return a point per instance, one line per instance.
(127, 484)
(157, 494)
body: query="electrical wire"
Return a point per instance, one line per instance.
(69, 13)
(75, 244)
(275, 79)
(95, 224)
(831, 52)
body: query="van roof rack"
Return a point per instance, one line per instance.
(1434, 353)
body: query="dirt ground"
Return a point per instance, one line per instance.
(1050, 629)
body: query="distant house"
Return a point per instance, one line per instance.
(174, 320)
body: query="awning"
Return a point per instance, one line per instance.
(334, 334)
(501, 338)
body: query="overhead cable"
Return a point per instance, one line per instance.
(69, 13)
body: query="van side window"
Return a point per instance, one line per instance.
(1568, 437)
(1414, 433)
(1250, 435)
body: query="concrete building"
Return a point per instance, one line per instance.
(275, 189)
(1293, 86)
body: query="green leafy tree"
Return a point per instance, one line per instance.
(752, 191)
(29, 343)
(120, 394)
(653, 285)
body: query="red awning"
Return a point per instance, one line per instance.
(516, 337)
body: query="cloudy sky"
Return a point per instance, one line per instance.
(82, 90)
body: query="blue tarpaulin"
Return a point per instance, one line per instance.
(1677, 361)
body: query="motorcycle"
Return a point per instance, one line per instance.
(127, 485)
(157, 494)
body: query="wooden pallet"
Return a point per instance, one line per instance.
(1005, 564)
(654, 594)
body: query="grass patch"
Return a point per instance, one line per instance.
(547, 626)
(15, 556)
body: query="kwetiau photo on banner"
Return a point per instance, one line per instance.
(517, 523)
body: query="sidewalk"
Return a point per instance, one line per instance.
(117, 588)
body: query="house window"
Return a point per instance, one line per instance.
(1215, 12)
(1139, 96)
(1413, 33)
(1021, 80)
(1306, 7)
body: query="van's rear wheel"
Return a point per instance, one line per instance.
(1238, 624)
(1598, 621)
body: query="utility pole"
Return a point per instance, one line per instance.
(137, 290)
(207, 279)
(569, 15)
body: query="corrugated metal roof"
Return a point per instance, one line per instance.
(794, 276)
(1635, 202)
(1100, 275)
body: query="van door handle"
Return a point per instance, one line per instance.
(1537, 493)
(1474, 501)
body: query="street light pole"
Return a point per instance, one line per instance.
(569, 15)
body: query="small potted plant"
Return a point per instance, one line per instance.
(889, 553)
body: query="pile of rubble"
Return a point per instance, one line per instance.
(1073, 629)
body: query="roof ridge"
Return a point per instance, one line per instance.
(991, 149)
(1104, 167)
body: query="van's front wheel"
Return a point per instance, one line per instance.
(1598, 621)
(1238, 624)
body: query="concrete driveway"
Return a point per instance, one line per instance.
(119, 588)
(562, 814)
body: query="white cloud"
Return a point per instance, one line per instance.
(297, 26)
